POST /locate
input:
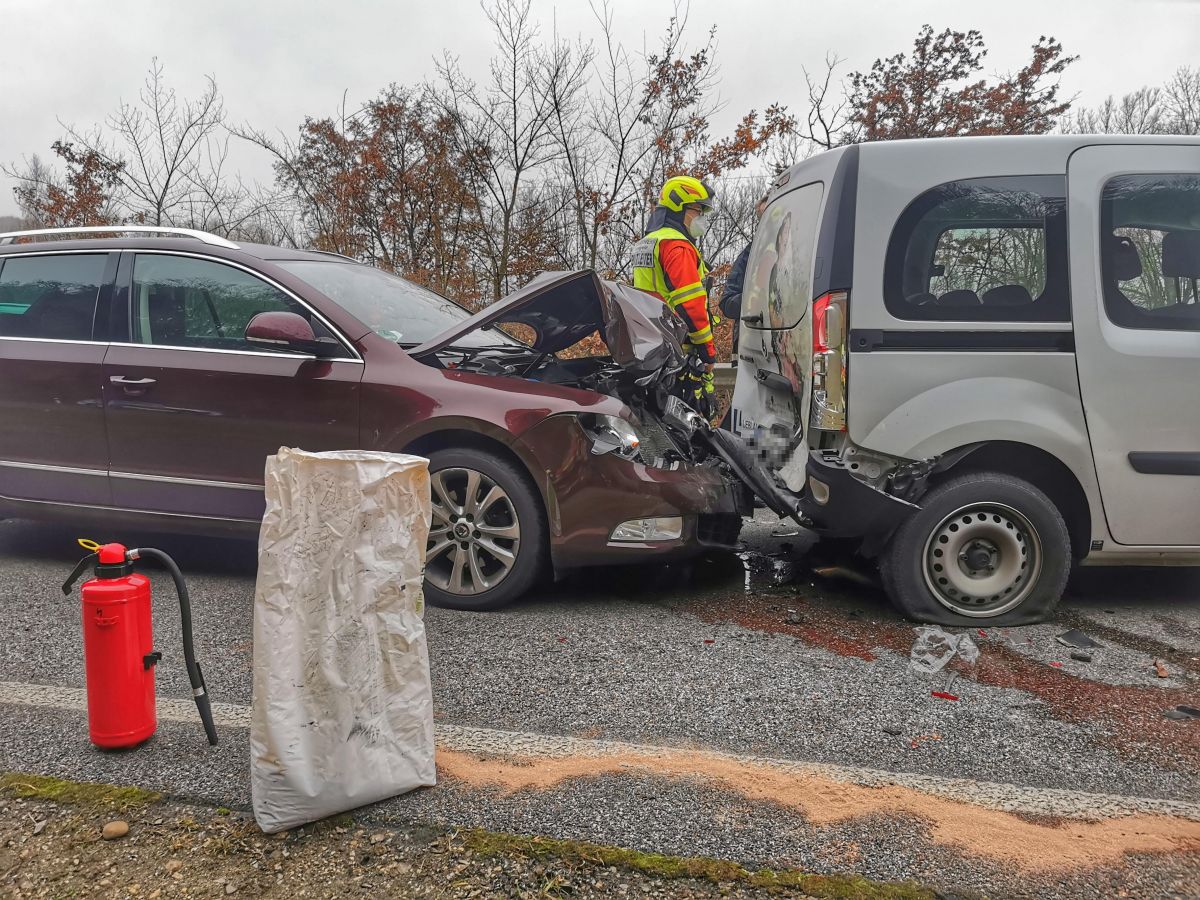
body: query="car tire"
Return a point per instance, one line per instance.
(481, 556)
(984, 549)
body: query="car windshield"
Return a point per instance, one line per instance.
(392, 307)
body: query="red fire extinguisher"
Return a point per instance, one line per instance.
(118, 646)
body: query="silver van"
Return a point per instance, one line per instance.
(981, 358)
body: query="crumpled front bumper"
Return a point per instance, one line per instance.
(587, 496)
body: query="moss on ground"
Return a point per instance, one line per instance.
(74, 793)
(656, 865)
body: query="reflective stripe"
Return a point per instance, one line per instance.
(684, 294)
(703, 336)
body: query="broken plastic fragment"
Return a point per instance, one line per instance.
(1080, 656)
(934, 647)
(1076, 638)
(943, 695)
(1160, 669)
(1182, 712)
(1056, 665)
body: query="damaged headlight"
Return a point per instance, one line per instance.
(611, 434)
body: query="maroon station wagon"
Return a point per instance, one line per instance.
(145, 379)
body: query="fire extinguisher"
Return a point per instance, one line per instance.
(118, 645)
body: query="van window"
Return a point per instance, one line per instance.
(1150, 251)
(982, 250)
(779, 276)
(50, 297)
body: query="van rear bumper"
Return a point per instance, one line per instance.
(840, 505)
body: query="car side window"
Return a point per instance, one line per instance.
(1150, 251)
(180, 301)
(982, 250)
(50, 297)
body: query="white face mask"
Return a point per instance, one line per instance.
(700, 224)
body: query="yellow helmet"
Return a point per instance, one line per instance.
(684, 190)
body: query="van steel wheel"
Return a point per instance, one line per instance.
(487, 538)
(982, 560)
(983, 547)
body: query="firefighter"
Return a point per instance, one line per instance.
(668, 263)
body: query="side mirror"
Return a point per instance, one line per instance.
(283, 331)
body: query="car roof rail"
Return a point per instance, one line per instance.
(335, 253)
(9, 236)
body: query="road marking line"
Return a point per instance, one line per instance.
(497, 742)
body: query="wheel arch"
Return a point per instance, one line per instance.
(1041, 469)
(461, 438)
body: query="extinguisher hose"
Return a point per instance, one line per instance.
(199, 691)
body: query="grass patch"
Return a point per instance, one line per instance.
(657, 865)
(74, 793)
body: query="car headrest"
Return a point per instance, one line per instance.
(1181, 254)
(63, 315)
(957, 298)
(921, 299)
(1007, 295)
(167, 317)
(1123, 256)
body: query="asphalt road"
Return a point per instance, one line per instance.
(759, 707)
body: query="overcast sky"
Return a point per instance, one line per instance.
(276, 61)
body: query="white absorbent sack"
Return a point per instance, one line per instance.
(342, 713)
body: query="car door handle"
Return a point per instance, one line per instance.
(133, 387)
(132, 382)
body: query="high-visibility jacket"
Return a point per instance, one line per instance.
(667, 264)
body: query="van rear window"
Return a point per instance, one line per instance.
(779, 275)
(982, 250)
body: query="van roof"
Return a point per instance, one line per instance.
(992, 150)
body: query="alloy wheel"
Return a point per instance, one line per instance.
(982, 560)
(475, 534)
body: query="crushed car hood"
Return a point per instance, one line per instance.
(563, 308)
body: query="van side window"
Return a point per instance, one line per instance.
(1150, 251)
(982, 250)
(50, 297)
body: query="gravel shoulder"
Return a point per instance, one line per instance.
(66, 839)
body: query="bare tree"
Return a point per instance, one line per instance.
(646, 118)
(1139, 112)
(511, 117)
(1173, 108)
(1182, 100)
(171, 155)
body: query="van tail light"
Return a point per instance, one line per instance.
(829, 361)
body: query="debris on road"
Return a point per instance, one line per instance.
(1182, 712)
(846, 575)
(1160, 669)
(934, 647)
(1076, 638)
(943, 695)
(1081, 656)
